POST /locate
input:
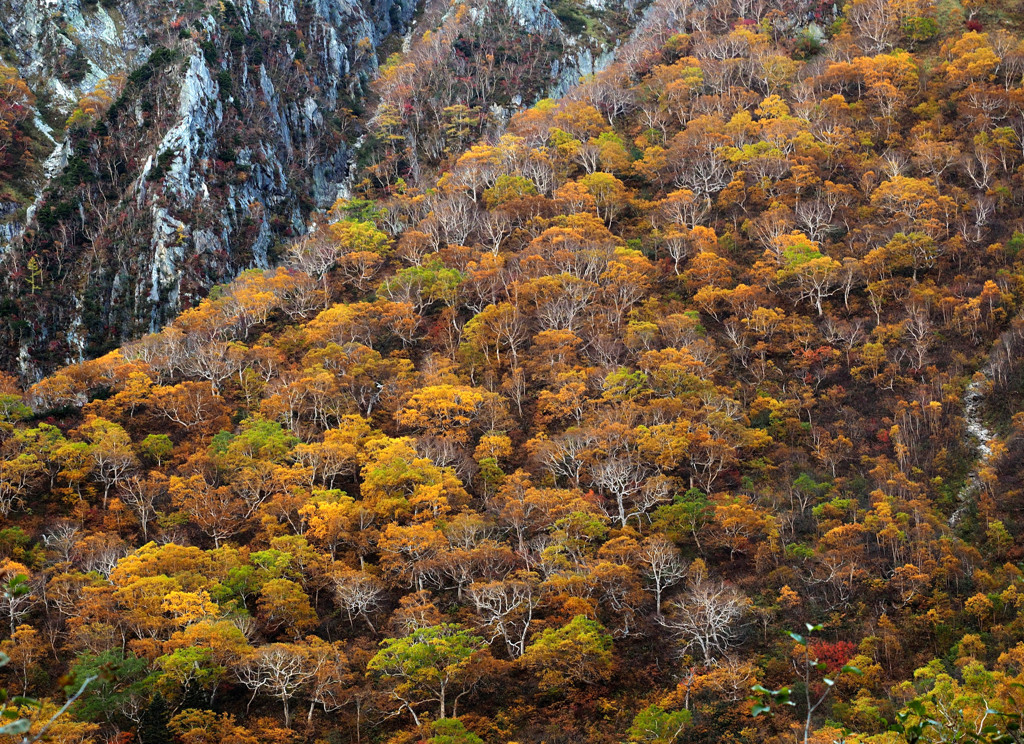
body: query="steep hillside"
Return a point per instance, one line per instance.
(683, 407)
(169, 148)
(195, 138)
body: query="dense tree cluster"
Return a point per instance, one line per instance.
(557, 442)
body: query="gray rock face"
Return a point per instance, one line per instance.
(980, 438)
(534, 15)
(215, 152)
(189, 140)
(110, 40)
(232, 121)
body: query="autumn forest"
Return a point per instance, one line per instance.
(683, 407)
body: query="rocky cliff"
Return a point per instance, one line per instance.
(178, 144)
(187, 141)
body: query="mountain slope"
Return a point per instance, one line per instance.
(202, 135)
(188, 143)
(691, 393)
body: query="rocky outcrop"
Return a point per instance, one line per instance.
(231, 127)
(980, 439)
(534, 15)
(63, 48)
